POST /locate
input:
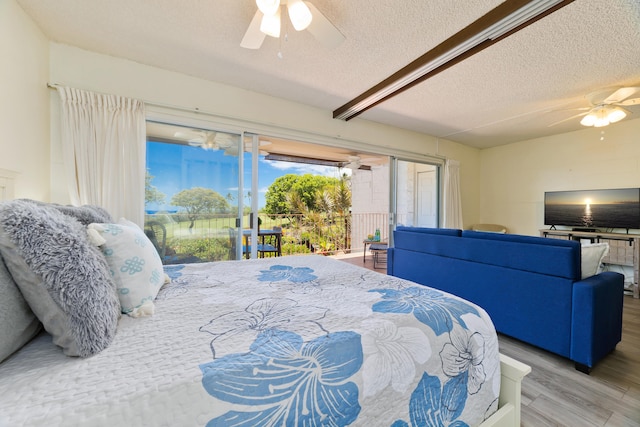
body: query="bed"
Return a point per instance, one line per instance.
(300, 340)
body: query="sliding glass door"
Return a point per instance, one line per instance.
(415, 195)
(194, 196)
(203, 194)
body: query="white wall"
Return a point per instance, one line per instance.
(24, 102)
(370, 190)
(515, 176)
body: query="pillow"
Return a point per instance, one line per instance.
(63, 277)
(18, 324)
(592, 255)
(86, 214)
(135, 265)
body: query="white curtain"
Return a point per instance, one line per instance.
(103, 142)
(452, 199)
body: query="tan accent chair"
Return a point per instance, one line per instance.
(490, 228)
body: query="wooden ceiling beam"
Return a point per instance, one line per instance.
(419, 70)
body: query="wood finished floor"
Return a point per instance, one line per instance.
(555, 394)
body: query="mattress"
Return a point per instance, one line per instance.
(299, 340)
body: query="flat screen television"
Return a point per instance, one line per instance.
(593, 209)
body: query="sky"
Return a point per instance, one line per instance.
(177, 167)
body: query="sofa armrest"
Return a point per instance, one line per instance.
(596, 319)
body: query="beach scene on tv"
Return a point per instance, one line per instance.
(613, 208)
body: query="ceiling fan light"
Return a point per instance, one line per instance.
(268, 7)
(299, 14)
(270, 24)
(588, 120)
(616, 114)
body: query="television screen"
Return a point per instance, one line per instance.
(615, 208)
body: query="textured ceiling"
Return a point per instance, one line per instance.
(509, 92)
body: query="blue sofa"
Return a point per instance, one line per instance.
(530, 286)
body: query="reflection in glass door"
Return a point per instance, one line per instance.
(193, 200)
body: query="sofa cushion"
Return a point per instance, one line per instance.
(592, 255)
(519, 238)
(552, 257)
(415, 239)
(426, 230)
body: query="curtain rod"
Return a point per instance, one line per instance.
(252, 124)
(153, 104)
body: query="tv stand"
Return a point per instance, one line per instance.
(624, 249)
(585, 230)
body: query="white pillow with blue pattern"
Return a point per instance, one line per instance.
(134, 263)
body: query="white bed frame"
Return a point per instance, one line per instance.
(511, 374)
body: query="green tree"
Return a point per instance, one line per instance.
(305, 187)
(151, 193)
(197, 201)
(277, 193)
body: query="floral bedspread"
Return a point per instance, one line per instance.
(290, 341)
(311, 341)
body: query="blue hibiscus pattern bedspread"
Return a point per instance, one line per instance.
(311, 341)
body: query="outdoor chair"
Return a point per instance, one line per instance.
(379, 254)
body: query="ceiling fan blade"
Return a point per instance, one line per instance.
(322, 29)
(253, 38)
(632, 101)
(183, 135)
(568, 119)
(621, 94)
(598, 97)
(189, 135)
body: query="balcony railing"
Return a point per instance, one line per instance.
(207, 237)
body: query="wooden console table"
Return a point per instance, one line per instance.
(624, 249)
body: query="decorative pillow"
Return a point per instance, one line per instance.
(18, 324)
(135, 265)
(63, 277)
(592, 255)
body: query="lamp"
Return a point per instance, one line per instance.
(270, 24)
(268, 7)
(616, 114)
(299, 14)
(603, 115)
(504, 20)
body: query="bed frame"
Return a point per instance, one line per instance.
(511, 374)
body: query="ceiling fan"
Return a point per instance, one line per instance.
(607, 106)
(303, 15)
(209, 140)
(356, 162)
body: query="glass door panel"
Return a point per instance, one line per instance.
(192, 199)
(416, 199)
(262, 238)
